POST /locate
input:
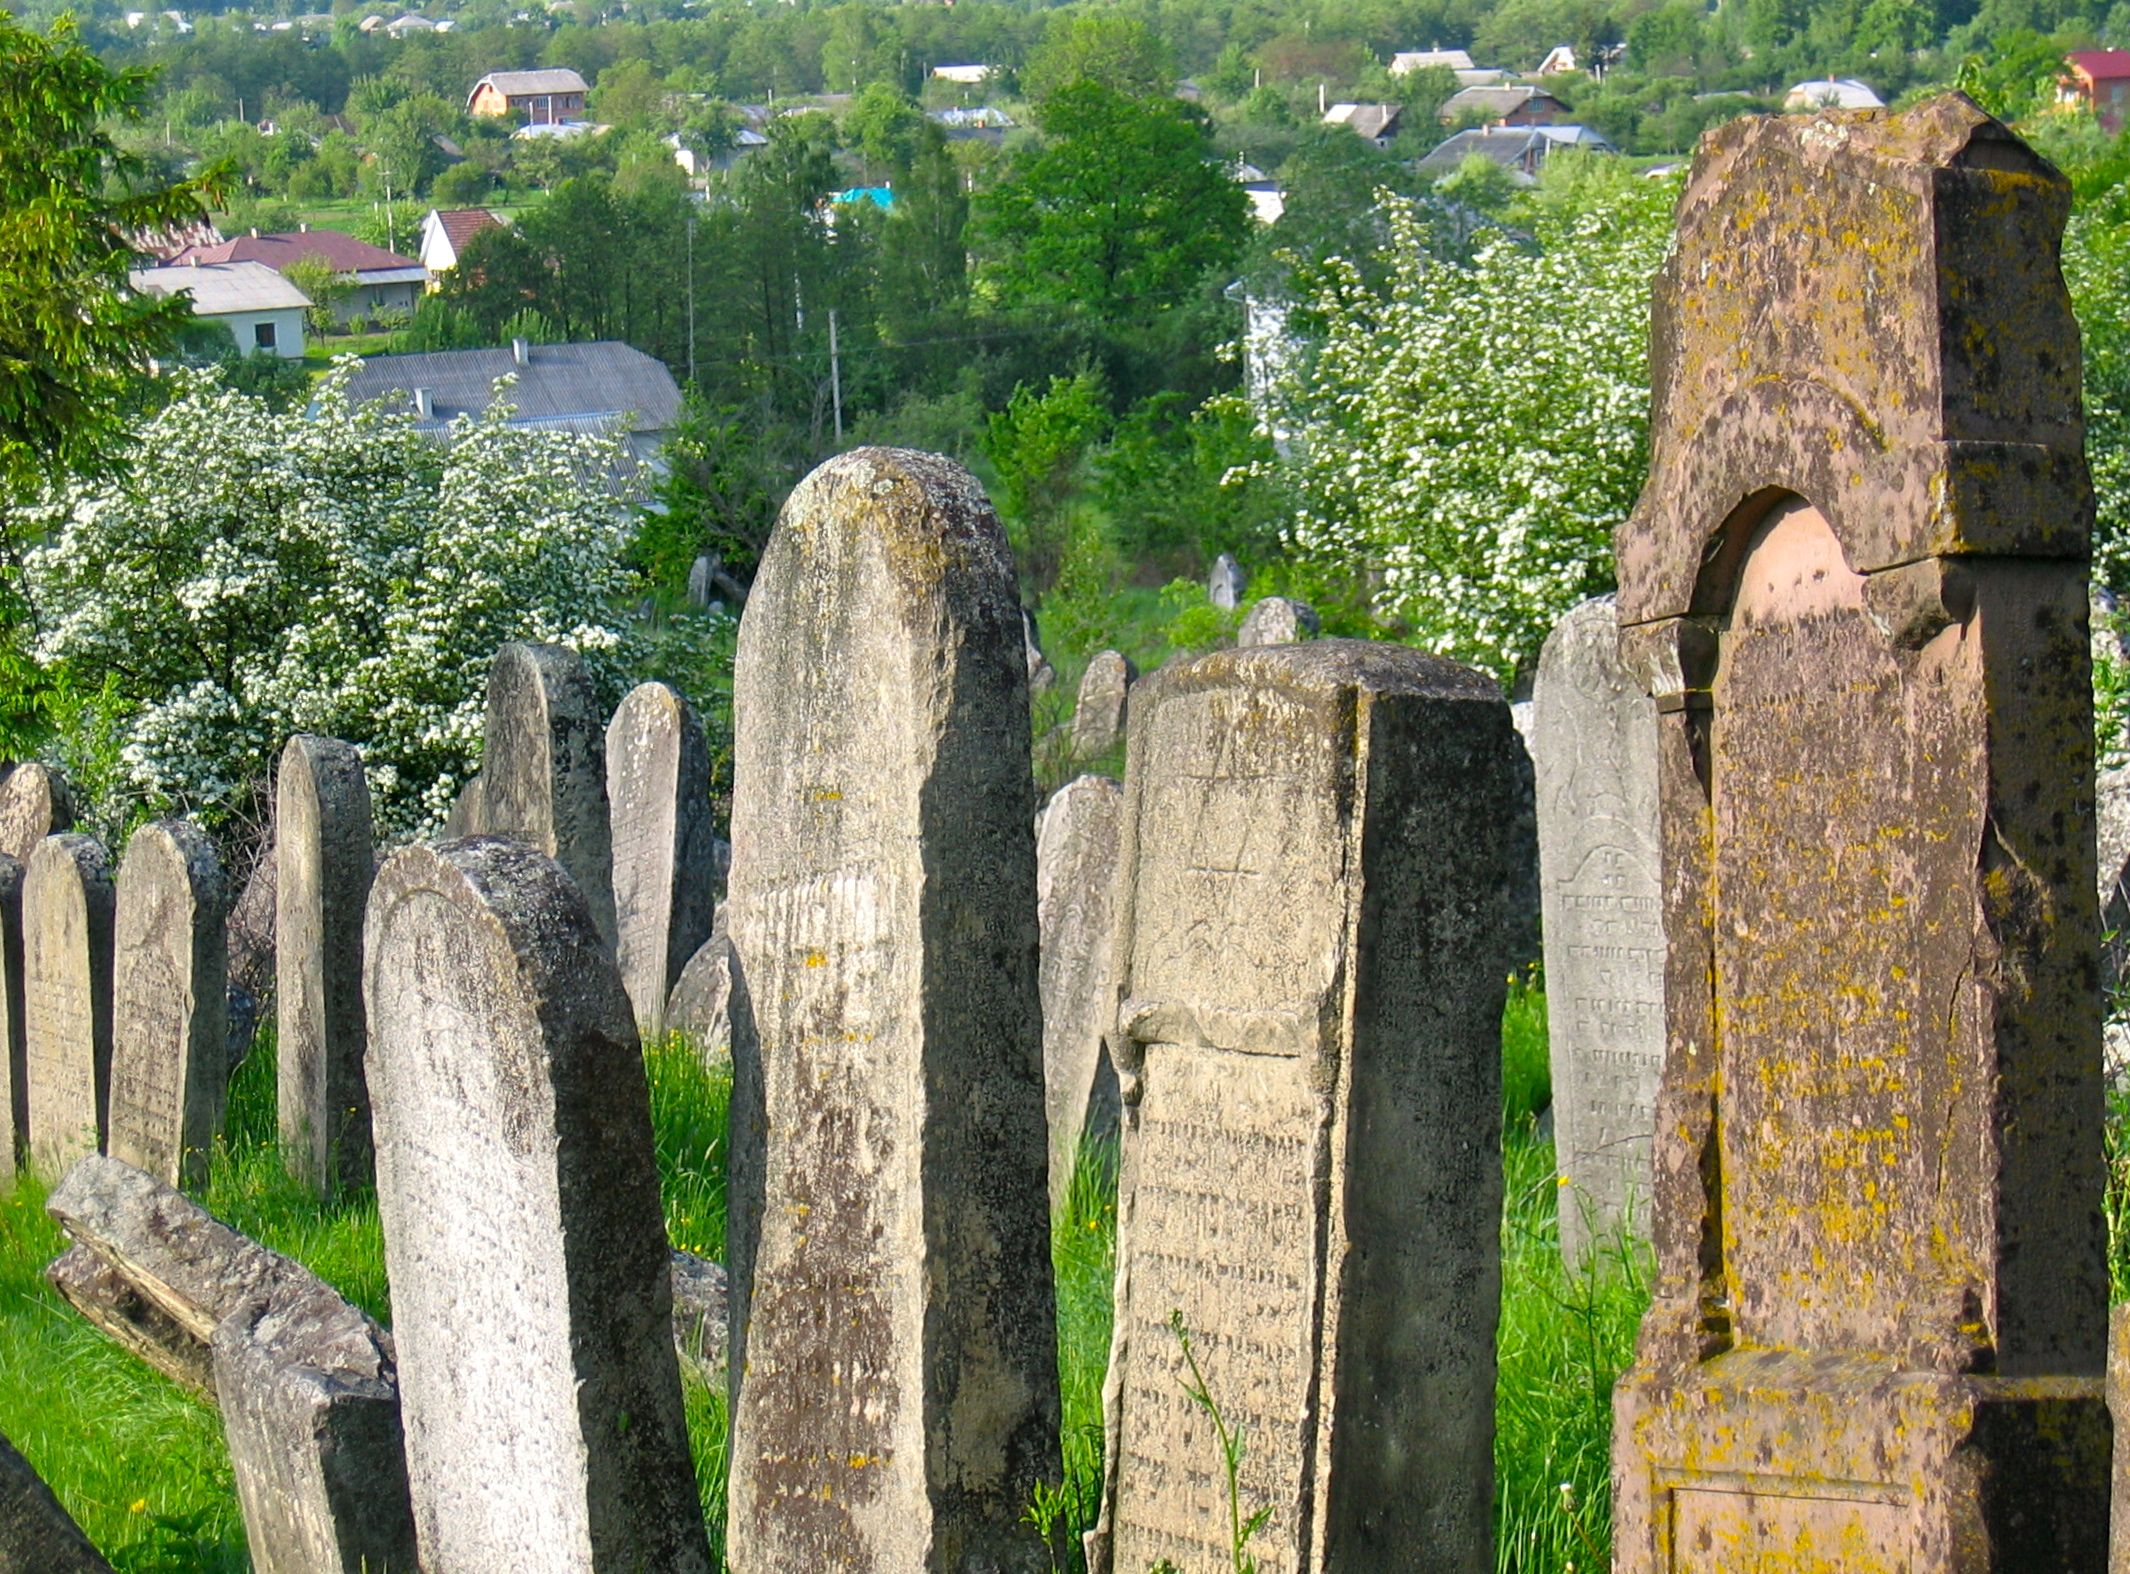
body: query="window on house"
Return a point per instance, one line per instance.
(262, 336)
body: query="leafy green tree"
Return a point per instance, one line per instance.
(1121, 211)
(630, 93)
(1109, 48)
(73, 339)
(326, 288)
(889, 131)
(1036, 445)
(466, 184)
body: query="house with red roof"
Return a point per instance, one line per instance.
(445, 232)
(379, 283)
(2099, 79)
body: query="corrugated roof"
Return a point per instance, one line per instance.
(1494, 101)
(1421, 59)
(600, 382)
(219, 288)
(519, 84)
(342, 253)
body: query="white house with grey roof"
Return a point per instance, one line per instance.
(605, 388)
(261, 309)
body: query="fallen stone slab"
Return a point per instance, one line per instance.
(170, 1271)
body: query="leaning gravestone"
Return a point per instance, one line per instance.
(518, 1188)
(310, 1409)
(1856, 586)
(325, 858)
(1595, 749)
(1076, 911)
(1309, 1046)
(1099, 711)
(658, 783)
(37, 1535)
(893, 1315)
(34, 804)
(543, 770)
(169, 1004)
(14, 1070)
(66, 997)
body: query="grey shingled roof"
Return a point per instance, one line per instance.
(600, 382)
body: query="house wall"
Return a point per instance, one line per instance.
(487, 101)
(368, 300)
(547, 109)
(287, 324)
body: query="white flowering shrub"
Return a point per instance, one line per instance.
(1473, 434)
(254, 574)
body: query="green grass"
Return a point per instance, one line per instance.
(142, 1465)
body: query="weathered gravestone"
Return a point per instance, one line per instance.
(326, 858)
(1855, 584)
(543, 768)
(1225, 585)
(37, 1535)
(66, 997)
(1309, 1048)
(2119, 1416)
(310, 1408)
(518, 1191)
(699, 578)
(14, 1070)
(464, 818)
(1595, 750)
(893, 1316)
(1076, 912)
(1278, 620)
(658, 783)
(1099, 711)
(34, 804)
(701, 1002)
(169, 1003)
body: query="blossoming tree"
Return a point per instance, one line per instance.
(253, 574)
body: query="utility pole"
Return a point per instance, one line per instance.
(835, 373)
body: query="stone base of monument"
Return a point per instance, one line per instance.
(1778, 1461)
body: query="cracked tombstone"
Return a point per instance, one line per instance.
(543, 768)
(169, 1003)
(893, 1267)
(67, 911)
(1278, 620)
(1308, 1047)
(1855, 585)
(325, 860)
(515, 1171)
(658, 784)
(1595, 750)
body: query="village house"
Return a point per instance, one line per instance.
(444, 234)
(966, 75)
(2099, 79)
(1377, 122)
(606, 388)
(538, 98)
(261, 310)
(379, 283)
(1502, 106)
(1518, 149)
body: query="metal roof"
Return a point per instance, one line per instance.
(219, 288)
(601, 382)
